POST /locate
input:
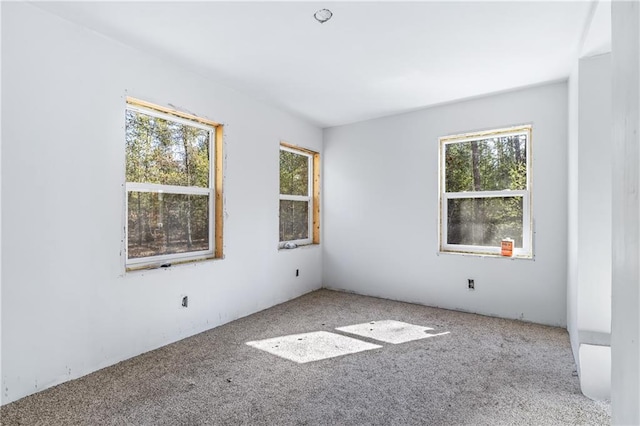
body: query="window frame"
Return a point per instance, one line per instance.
(312, 197)
(526, 251)
(213, 190)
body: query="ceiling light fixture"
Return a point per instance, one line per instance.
(323, 15)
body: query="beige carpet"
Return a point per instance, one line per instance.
(485, 371)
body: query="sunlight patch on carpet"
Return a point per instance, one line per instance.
(390, 331)
(308, 347)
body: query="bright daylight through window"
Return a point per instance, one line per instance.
(169, 187)
(485, 191)
(299, 193)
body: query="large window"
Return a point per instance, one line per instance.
(173, 188)
(485, 191)
(299, 196)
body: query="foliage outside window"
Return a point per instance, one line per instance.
(298, 196)
(169, 187)
(485, 193)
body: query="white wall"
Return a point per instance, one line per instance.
(0, 205)
(594, 195)
(625, 324)
(589, 273)
(589, 210)
(595, 371)
(381, 210)
(67, 307)
(572, 213)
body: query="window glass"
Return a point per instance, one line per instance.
(485, 191)
(162, 223)
(170, 205)
(166, 152)
(294, 220)
(486, 165)
(294, 173)
(299, 197)
(484, 221)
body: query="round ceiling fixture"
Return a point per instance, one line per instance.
(323, 15)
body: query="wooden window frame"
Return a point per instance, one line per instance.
(313, 197)
(526, 251)
(215, 189)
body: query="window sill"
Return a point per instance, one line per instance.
(486, 255)
(169, 265)
(300, 246)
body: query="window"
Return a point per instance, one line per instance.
(485, 191)
(173, 186)
(299, 196)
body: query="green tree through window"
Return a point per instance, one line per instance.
(169, 193)
(485, 191)
(296, 198)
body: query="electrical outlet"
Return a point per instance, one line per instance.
(472, 284)
(297, 272)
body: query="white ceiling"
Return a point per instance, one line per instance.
(370, 60)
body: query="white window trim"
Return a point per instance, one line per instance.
(526, 251)
(140, 262)
(167, 116)
(308, 198)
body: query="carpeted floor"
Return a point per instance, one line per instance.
(486, 371)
